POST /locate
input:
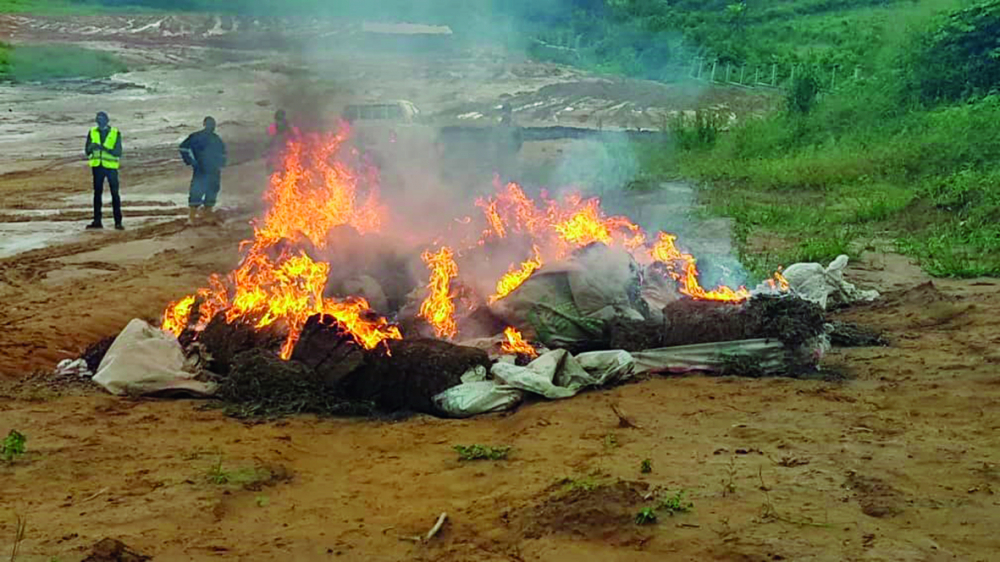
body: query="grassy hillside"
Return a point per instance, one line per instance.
(658, 40)
(906, 159)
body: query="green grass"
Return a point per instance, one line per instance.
(646, 516)
(31, 63)
(481, 452)
(675, 504)
(868, 167)
(246, 476)
(13, 446)
(588, 484)
(672, 504)
(51, 7)
(658, 40)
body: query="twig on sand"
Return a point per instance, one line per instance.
(20, 531)
(623, 420)
(437, 526)
(95, 495)
(430, 534)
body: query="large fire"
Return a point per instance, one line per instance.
(560, 227)
(279, 282)
(312, 195)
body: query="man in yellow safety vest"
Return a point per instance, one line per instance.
(104, 151)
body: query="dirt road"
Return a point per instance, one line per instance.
(894, 457)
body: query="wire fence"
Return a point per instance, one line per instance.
(773, 75)
(566, 48)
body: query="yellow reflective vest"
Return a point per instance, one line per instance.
(103, 157)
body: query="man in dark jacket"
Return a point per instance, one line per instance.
(103, 148)
(205, 152)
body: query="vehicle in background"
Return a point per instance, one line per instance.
(384, 129)
(394, 137)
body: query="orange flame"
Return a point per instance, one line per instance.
(778, 282)
(515, 277)
(439, 308)
(587, 224)
(309, 197)
(314, 194)
(555, 228)
(682, 267)
(177, 315)
(515, 343)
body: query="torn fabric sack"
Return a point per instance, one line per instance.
(825, 287)
(145, 360)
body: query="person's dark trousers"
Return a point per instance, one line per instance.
(205, 187)
(116, 202)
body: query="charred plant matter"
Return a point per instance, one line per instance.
(261, 385)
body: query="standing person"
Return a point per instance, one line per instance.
(508, 141)
(278, 135)
(205, 152)
(104, 151)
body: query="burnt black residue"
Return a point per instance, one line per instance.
(791, 320)
(96, 351)
(224, 341)
(262, 385)
(848, 334)
(414, 372)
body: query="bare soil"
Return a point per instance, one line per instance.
(894, 456)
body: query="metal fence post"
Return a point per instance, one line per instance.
(756, 76)
(774, 74)
(714, 64)
(833, 81)
(729, 68)
(793, 74)
(857, 72)
(743, 72)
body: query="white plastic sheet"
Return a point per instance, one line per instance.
(146, 360)
(770, 355)
(558, 375)
(554, 375)
(824, 286)
(73, 367)
(475, 398)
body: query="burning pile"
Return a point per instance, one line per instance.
(278, 282)
(542, 267)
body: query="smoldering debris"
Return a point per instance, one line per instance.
(95, 352)
(410, 373)
(848, 334)
(225, 340)
(328, 349)
(112, 550)
(329, 374)
(262, 385)
(789, 320)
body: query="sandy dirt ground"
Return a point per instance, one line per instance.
(894, 455)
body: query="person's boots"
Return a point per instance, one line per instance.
(95, 226)
(192, 216)
(210, 217)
